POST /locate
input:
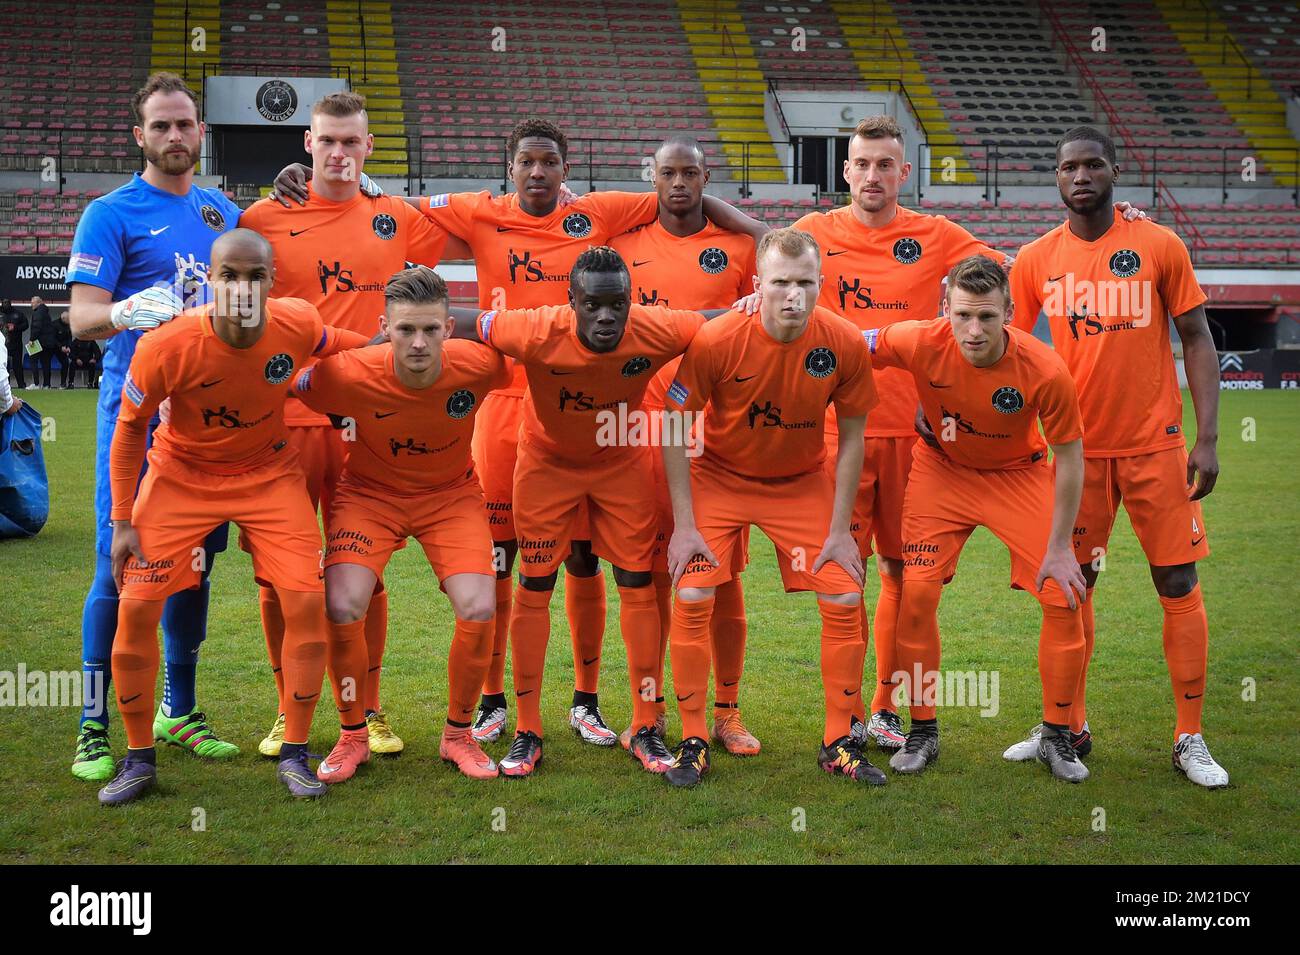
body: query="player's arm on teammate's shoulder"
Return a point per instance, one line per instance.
(94, 314)
(1026, 297)
(465, 322)
(291, 184)
(1201, 361)
(335, 340)
(839, 545)
(1060, 562)
(726, 216)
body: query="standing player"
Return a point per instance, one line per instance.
(137, 252)
(768, 381)
(411, 401)
(1109, 288)
(703, 267)
(988, 387)
(884, 263)
(587, 366)
(337, 252)
(223, 455)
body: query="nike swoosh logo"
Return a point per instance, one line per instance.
(636, 264)
(519, 693)
(209, 384)
(840, 252)
(326, 768)
(1188, 696)
(122, 702)
(850, 692)
(499, 229)
(1057, 278)
(159, 231)
(554, 372)
(730, 682)
(304, 699)
(466, 709)
(385, 414)
(299, 231)
(935, 384)
(1198, 540)
(746, 378)
(1064, 704)
(588, 663)
(683, 699)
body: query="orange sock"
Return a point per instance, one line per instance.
(886, 621)
(530, 629)
(1079, 712)
(135, 667)
(690, 650)
(348, 661)
(376, 637)
(1060, 661)
(495, 683)
(273, 631)
(842, 654)
(638, 618)
(1187, 642)
(727, 631)
(584, 604)
(467, 664)
(918, 643)
(859, 706)
(304, 659)
(664, 598)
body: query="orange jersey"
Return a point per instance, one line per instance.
(407, 440)
(227, 404)
(986, 418)
(340, 255)
(1109, 303)
(875, 277)
(709, 269)
(524, 261)
(768, 399)
(569, 386)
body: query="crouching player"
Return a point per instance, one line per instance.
(223, 455)
(408, 406)
(768, 380)
(988, 386)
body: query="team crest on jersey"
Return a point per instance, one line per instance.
(636, 366)
(907, 251)
(1008, 400)
(460, 403)
(279, 368)
(713, 261)
(385, 226)
(212, 218)
(1125, 263)
(577, 225)
(820, 362)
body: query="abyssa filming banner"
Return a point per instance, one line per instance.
(1259, 369)
(264, 100)
(22, 276)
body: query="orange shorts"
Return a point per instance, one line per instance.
(878, 508)
(664, 522)
(494, 448)
(551, 495)
(946, 501)
(1154, 490)
(794, 512)
(367, 526)
(179, 505)
(322, 452)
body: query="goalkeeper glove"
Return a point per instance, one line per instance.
(146, 309)
(369, 188)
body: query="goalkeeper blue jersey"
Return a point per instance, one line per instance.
(135, 237)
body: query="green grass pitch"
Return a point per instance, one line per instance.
(592, 805)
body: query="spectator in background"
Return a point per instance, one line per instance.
(43, 333)
(14, 326)
(9, 402)
(64, 332)
(85, 356)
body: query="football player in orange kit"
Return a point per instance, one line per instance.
(768, 381)
(988, 387)
(337, 252)
(1109, 288)
(223, 455)
(580, 451)
(703, 266)
(411, 403)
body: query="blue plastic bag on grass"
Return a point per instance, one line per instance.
(24, 487)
